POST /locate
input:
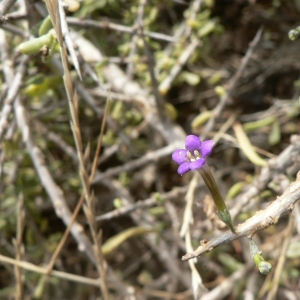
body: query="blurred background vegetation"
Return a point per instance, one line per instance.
(165, 66)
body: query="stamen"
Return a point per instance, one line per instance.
(189, 155)
(197, 154)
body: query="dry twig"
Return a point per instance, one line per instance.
(226, 286)
(280, 264)
(19, 248)
(5, 6)
(197, 285)
(56, 13)
(118, 27)
(133, 45)
(14, 79)
(63, 275)
(275, 166)
(141, 204)
(233, 83)
(166, 84)
(54, 192)
(47, 181)
(261, 220)
(119, 82)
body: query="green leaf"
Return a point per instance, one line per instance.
(235, 190)
(275, 134)
(115, 241)
(190, 78)
(42, 86)
(246, 146)
(259, 123)
(201, 119)
(35, 45)
(46, 26)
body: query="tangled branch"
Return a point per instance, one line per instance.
(261, 220)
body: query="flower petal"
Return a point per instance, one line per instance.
(179, 156)
(183, 168)
(206, 147)
(192, 142)
(197, 164)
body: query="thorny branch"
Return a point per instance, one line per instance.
(261, 220)
(224, 99)
(118, 27)
(15, 80)
(5, 6)
(275, 166)
(140, 204)
(126, 89)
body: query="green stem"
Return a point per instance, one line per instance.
(222, 210)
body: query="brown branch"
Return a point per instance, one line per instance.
(119, 82)
(136, 163)
(261, 220)
(227, 285)
(159, 247)
(275, 166)
(177, 68)
(19, 247)
(118, 27)
(142, 204)
(223, 101)
(133, 44)
(274, 282)
(57, 17)
(5, 6)
(14, 81)
(63, 275)
(55, 193)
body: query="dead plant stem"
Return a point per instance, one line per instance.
(55, 9)
(19, 247)
(281, 260)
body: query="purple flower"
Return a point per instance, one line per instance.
(193, 157)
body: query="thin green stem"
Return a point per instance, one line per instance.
(222, 210)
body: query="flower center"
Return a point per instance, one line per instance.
(195, 155)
